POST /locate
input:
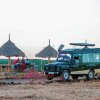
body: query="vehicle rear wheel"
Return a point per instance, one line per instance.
(90, 75)
(75, 77)
(49, 76)
(65, 75)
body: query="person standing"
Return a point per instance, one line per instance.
(23, 65)
(27, 62)
(17, 64)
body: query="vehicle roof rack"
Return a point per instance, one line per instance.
(82, 44)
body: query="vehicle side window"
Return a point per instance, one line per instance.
(88, 57)
(76, 59)
(85, 58)
(96, 57)
(91, 57)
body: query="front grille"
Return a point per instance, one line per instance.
(50, 68)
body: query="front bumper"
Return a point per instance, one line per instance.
(51, 72)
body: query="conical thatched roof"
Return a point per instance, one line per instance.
(9, 49)
(47, 52)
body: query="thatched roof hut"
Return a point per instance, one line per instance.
(9, 49)
(47, 52)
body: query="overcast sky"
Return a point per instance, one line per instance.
(32, 22)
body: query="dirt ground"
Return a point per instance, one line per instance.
(89, 90)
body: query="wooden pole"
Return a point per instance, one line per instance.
(48, 59)
(9, 64)
(1, 68)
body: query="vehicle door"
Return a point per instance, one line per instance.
(76, 64)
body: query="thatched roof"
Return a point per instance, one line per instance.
(47, 52)
(9, 49)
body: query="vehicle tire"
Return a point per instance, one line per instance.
(49, 76)
(75, 77)
(65, 75)
(90, 75)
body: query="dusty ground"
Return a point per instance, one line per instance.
(89, 90)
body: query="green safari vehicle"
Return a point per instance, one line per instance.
(75, 62)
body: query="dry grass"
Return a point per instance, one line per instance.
(53, 91)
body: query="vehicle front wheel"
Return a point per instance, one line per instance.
(90, 75)
(65, 75)
(49, 76)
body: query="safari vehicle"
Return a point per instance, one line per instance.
(75, 62)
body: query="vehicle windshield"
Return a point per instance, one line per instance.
(63, 57)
